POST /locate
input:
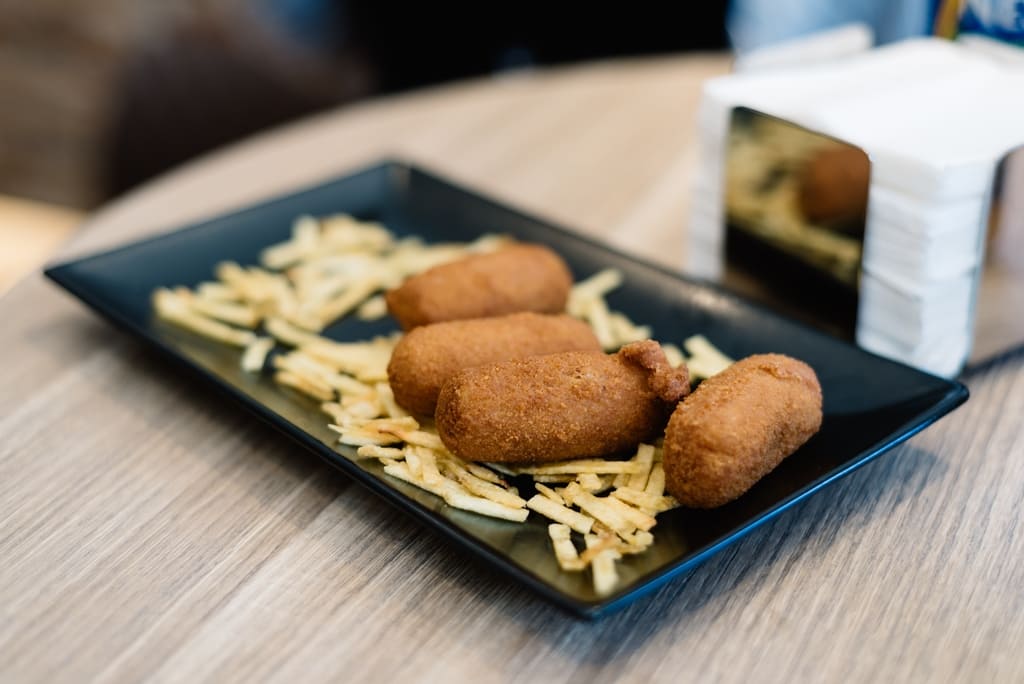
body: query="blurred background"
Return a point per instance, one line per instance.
(102, 95)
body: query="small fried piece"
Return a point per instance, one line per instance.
(174, 308)
(234, 313)
(520, 277)
(289, 334)
(656, 482)
(379, 452)
(565, 550)
(738, 426)
(427, 356)
(216, 292)
(387, 400)
(602, 566)
(636, 517)
(705, 359)
(674, 354)
(638, 542)
(455, 496)
(373, 308)
(591, 483)
(560, 514)
(481, 487)
(255, 355)
(549, 493)
(573, 469)
(367, 361)
(306, 385)
(594, 287)
(347, 300)
(645, 457)
(560, 406)
(602, 509)
(651, 505)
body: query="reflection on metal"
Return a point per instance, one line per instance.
(999, 317)
(796, 207)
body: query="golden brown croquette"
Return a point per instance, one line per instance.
(428, 355)
(560, 406)
(520, 277)
(738, 426)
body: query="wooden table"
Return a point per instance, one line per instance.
(29, 233)
(148, 532)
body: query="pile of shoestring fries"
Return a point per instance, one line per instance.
(599, 509)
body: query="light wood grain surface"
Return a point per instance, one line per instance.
(149, 533)
(29, 233)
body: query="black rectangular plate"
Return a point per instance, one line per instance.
(871, 404)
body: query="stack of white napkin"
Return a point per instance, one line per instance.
(935, 118)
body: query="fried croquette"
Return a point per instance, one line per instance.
(560, 406)
(738, 426)
(428, 355)
(521, 277)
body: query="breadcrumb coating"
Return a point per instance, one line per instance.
(428, 355)
(560, 406)
(738, 426)
(520, 277)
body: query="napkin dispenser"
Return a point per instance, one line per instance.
(866, 198)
